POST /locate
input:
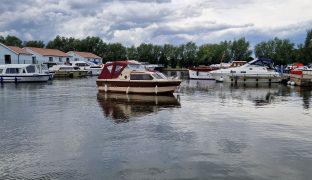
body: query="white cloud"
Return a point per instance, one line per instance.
(159, 21)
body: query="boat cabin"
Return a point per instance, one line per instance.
(18, 69)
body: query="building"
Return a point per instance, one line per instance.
(84, 56)
(43, 55)
(14, 55)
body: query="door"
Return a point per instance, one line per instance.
(7, 59)
(34, 60)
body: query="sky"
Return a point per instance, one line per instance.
(132, 22)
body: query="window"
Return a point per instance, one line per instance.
(7, 59)
(136, 67)
(109, 68)
(31, 69)
(76, 59)
(233, 71)
(60, 59)
(13, 70)
(118, 68)
(51, 59)
(243, 71)
(34, 60)
(157, 76)
(140, 77)
(1, 70)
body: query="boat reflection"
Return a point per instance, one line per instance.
(121, 107)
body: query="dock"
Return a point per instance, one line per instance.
(304, 80)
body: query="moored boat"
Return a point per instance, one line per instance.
(22, 73)
(203, 72)
(132, 77)
(67, 71)
(259, 70)
(93, 69)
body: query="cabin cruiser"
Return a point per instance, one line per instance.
(67, 71)
(132, 77)
(259, 70)
(23, 73)
(93, 69)
(203, 72)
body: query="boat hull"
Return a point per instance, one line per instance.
(138, 86)
(72, 74)
(25, 78)
(204, 75)
(247, 78)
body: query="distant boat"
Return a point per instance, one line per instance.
(67, 71)
(132, 77)
(203, 72)
(22, 73)
(259, 70)
(93, 69)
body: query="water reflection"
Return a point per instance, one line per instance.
(121, 107)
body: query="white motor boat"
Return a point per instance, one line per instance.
(23, 73)
(259, 70)
(93, 69)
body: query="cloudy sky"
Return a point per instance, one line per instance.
(157, 21)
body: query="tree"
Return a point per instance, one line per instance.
(306, 50)
(12, 41)
(132, 53)
(280, 51)
(38, 44)
(190, 54)
(240, 50)
(115, 51)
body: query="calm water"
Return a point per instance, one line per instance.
(66, 130)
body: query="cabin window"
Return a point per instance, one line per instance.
(136, 67)
(109, 68)
(233, 71)
(31, 69)
(243, 71)
(1, 70)
(118, 68)
(140, 77)
(13, 71)
(157, 76)
(76, 59)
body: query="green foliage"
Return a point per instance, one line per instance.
(38, 44)
(184, 55)
(11, 41)
(281, 51)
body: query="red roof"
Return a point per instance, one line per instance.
(48, 52)
(87, 55)
(111, 73)
(18, 50)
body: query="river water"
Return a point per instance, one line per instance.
(67, 130)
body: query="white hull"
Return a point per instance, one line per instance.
(247, 78)
(205, 75)
(26, 78)
(139, 90)
(94, 71)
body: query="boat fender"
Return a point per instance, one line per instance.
(1, 80)
(292, 83)
(288, 82)
(156, 89)
(15, 79)
(105, 88)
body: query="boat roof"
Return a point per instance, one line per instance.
(14, 65)
(262, 60)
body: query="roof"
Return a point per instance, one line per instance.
(86, 55)
(18, 50)
(48, 52)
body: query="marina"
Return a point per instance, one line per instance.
(68, 129)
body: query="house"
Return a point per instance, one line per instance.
(85, 56)
(43, 55)
(14, 55)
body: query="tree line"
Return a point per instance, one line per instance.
(282, 51)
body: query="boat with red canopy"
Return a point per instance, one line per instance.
(132, 77)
